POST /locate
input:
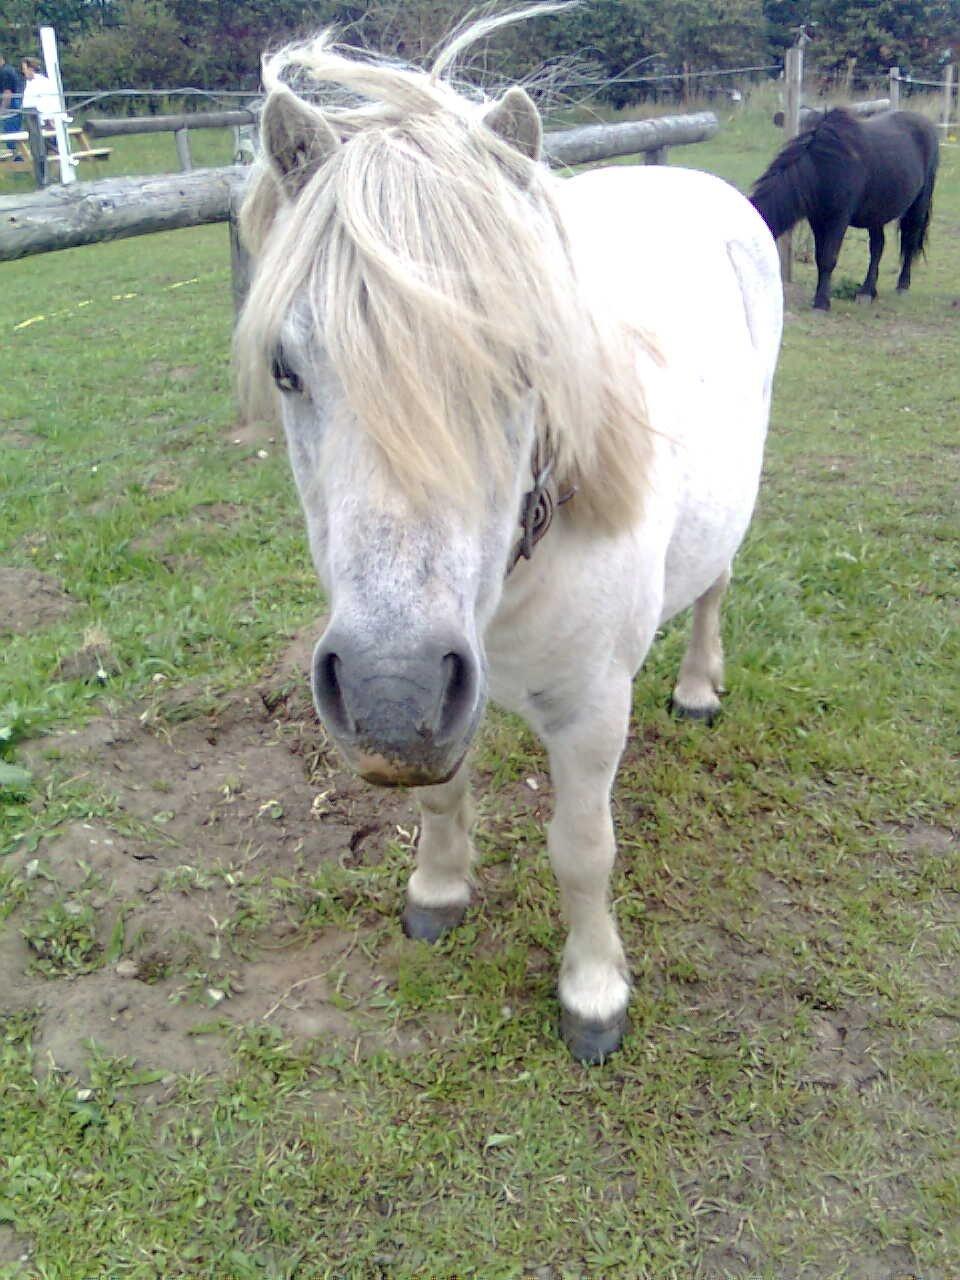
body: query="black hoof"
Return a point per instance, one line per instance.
(706, 714)
(429, 924)
(591, 1042)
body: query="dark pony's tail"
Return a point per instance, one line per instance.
(785, 192)
(915, 222)
(927, 212)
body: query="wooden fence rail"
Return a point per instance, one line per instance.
(123, 126)
(871, 107)
(89, 212)
(113, 208)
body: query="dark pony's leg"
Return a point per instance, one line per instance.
(913, 232)
(827, 237)
(868, 290)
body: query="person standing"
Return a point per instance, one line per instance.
(39, 93)
(11, 96)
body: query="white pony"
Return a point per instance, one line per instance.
(463, 342)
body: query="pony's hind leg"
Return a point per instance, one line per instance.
(698, 688)
(594, 988)
(438, 892)
(868, 290)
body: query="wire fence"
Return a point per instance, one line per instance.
(569, 85)
(674, 82)
(88, 97)
(575, 82)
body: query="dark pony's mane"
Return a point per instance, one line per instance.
(818, 156)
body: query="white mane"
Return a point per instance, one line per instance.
(439, 283)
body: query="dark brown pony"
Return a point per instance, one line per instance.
(841, 171)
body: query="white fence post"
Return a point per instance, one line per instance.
(51, 61)
(894, 88)
(948, 73)
(793, 89)
(182, 138)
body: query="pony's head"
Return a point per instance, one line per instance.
(416, 305)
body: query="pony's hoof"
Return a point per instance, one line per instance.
(821, 306)
(866, 298)
(706, 715)
(903, 288)
(591, 1042)
(429, 924)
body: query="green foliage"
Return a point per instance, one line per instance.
(63, 939)
(218, 43)
(877, 34)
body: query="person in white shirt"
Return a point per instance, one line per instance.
(39, 93)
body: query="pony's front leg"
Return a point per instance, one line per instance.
(868, 290)
(438, 892)
(594, 987)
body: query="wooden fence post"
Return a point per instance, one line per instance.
(182, 139)
(894, 88)
(241, 268)
(793, 89)
(38, 148)
(947, 99)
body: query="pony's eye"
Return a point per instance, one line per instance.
(283, 375)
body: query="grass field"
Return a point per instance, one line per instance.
(219, 1056)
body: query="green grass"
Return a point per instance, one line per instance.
(786, 1104)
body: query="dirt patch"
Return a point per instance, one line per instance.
(201, 890)
(19, 439)
(93, 661)
(172, 373)
(15, 1251)
(30, 600)
(207, 515)
(247, 435)
(920, 839)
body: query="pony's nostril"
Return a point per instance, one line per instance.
(329, 695)
(457, 697)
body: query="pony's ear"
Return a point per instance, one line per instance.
(515, 118)
(297, 139)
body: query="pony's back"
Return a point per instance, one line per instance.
(823, 163)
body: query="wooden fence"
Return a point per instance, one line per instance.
(178, 125)
(114, 208)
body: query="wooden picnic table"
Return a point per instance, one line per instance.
(21, 139)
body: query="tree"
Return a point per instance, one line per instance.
(877, 33)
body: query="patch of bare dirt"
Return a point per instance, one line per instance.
(172, 373)
(15, 1251)
(207, 515)
(30, 600)
(93, 661)
(248, 435)
(217, 814)
(15, 439)
(919, 839)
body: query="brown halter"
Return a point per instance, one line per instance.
(537, 507)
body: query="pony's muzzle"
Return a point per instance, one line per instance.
(400, 719)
